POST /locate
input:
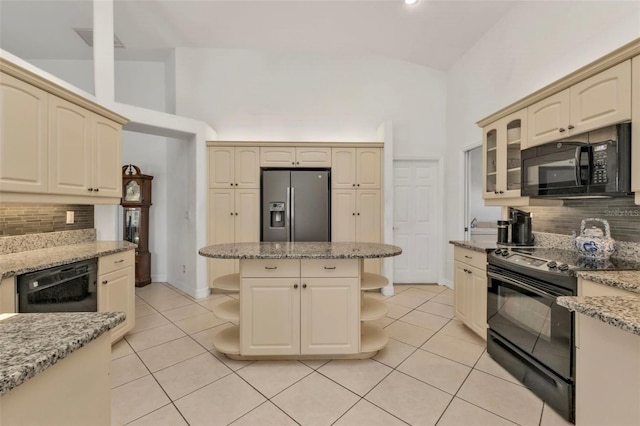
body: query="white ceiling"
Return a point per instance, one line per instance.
(431, 33)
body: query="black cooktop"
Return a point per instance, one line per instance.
(574, 260)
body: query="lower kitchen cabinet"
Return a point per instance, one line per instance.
(8, 295)
(116, 289)
(470, 289)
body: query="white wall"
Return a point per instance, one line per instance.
(533, 45)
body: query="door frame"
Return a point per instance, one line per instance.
(465, 164)
(439, 210)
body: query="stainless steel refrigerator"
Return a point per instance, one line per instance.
(296, 205)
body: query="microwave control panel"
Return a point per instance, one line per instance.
(599, 175)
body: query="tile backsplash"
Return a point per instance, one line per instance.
(24, 218)
(621, 213)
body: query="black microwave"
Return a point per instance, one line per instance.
(594, 164)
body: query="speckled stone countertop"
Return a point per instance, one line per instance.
(481, 246)
(31, 343)
(619, 311)
(302, 250)
(626, 280)
(34, 260)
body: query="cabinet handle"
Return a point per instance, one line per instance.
(304, 286)
(561, 129)
(495, 192)
(469, 272)
(271, 267)
(358, 214)
(468, 257)
(89, 189)
(329, 267)
(353, 214)
(570, 126)
(105, 282)
(231, 213)
(231, 184)
(293, 163)
(119, 261)
(354, 184)
(298, 163)
(295, 286)
(236, 184)
(358, 185)
(96, 189)
(236, 213)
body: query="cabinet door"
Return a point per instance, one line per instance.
(70, 156)
(221, 229)
(368, 220)
(221, 167)
(313, 157)
(247, 167)
(602, 100)
(368, 168)
(343, 168)
(549, 119)
(270, 316)
(330, 313)
(116, 294)
(23, 136)
(461, 291)
(247, 215)
(490, 161)
(514, 132)
(8, 295)
(107, 158)
(343, 215)
(277, 157)
(478, 300)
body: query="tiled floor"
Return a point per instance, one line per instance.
(433, 371)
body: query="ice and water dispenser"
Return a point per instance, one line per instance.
(277, 214)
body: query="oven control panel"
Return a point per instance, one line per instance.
(530, 262)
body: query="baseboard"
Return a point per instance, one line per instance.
(446, 282)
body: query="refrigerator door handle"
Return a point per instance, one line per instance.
(287, 217)
(293, 214)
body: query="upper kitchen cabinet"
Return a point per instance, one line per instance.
(23, 136)
(502, 143)
(356, 168)
(595, 102)
(635, 128)
(295, 157)
(234, 167)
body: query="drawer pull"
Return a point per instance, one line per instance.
(270, 267)
(329, 267)
(468, 257)
(119, 261)
(105, 282)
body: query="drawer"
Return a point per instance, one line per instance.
(471, 257)
(330, 268)
(259, 268)
(113, 262)
(590, 288)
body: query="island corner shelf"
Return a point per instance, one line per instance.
(295, 299)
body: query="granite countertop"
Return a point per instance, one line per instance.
(481, 246)
(302, 250)
(31, 343)
(626, 280)
(34, 260)
(619, 311)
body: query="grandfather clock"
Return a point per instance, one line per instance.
(136, 200)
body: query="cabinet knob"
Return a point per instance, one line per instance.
(353, 184)
(353, 214)
(468, 257)
(105, 282)
(293, 163)
(501, 192)
(561, 129)
(304, 286)
(236, 184)
(231, 184)
(570, 126)
(358, 185)
(298, 163)
(231, 213)
(495, 192)
(358, 214)
(119, 261)
(295, 286)
(236, 213)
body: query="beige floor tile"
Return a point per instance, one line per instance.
(551, 418)
(503, 398)
(435, 370)
(190, 375)
(461, 412)
(211, 303)
(140, 301)
(359, 376)
(219, 403)
(315, 400)
(265, 415)
(394, 353)
(434, 288)
(165, 416)
(397, 311)
(205, 337)
(136, 399)
(127, 369)
(155, 291)
(455, 349)
(409, 333)
(426, 320)
(412, 298)
(446, 297)
(272, 377)
(365, 413)
(170, 353)
(488, 365)
(233, 364)
(399, 288)
(458, 330)
(144, 309)
(167, 303)
(314, 363)
(199, 323)
(148, 322)
(436, 308)
(120, 349)
(156, 336)
(409, 399)
(185, 311)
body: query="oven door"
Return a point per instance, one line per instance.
(524, 311)
(556, 169)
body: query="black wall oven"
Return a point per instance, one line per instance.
(529, 334)
(67, 288)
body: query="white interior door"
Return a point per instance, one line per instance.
(416, 210)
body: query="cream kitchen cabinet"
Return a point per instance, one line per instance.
(234, 167)
(8, 295)
(358, 168)
(502, 143)
(595, 102)
(635, 127)
(116, 289)
(356, 216)
(295, 157)
(470, 289)
(234, 216)
(23, 136)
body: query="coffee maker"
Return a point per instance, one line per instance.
(521, 231)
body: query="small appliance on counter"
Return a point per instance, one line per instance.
(593, 242)
(517, 230)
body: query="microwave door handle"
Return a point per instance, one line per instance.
(580, 152)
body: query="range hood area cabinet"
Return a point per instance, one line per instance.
(56, 146)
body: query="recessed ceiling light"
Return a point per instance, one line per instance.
(410, 2)
(87, 35)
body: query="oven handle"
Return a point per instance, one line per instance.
(520, 284)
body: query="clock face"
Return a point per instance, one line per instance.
(132, 191)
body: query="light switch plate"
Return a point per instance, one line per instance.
(70, 217)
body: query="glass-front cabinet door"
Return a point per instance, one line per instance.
(490, 162)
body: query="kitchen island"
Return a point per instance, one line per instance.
(302, 300)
